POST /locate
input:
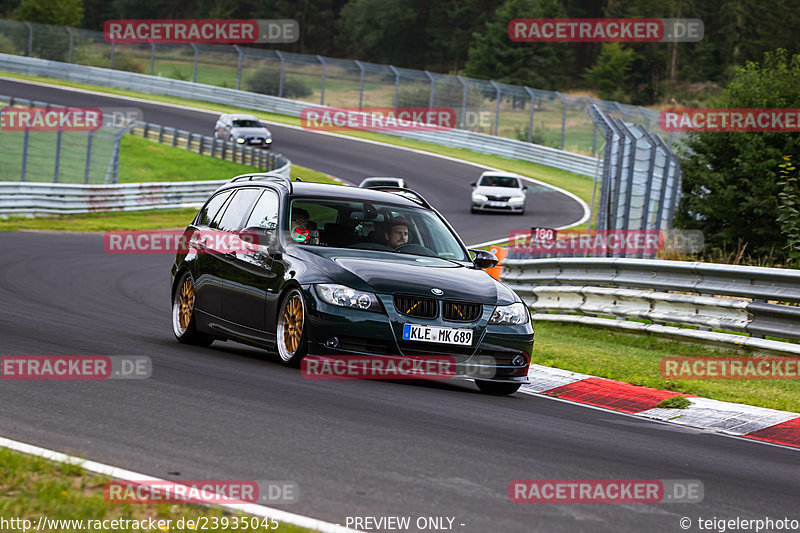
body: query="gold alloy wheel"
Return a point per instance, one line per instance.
(185, 303)
(293, 323)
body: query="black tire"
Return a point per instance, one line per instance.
(473, 210)
(183, 319)
(497, 388)
(292, 345)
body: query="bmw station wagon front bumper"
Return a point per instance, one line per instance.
(498, 352)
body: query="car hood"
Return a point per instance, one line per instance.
(498, 191)
(393, 273)
(250, 132)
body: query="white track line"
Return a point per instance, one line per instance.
(127, 475)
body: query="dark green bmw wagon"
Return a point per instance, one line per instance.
(325, 270)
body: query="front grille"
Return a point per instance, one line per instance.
(499, 198)
(416, 306)
(370, 346)
(461, 311)
(418, 349)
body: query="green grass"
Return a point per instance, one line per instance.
(575, 183)
(634, 358)
(147, 161)
(32, 487)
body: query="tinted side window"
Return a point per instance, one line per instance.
(237, 208)
(211, 208)
(265, 213)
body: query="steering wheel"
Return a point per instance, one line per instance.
(416, 249)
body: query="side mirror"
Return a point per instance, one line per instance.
(524, 187)
(474, 183)
(484, 259)
(257, 235)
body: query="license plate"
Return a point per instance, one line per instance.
(416, 332)
(497, 204)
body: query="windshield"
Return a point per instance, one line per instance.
(372, 226)
(246, 123)
(500, 181)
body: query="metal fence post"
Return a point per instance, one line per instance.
(24, 155)
(497, 105)
(433, 88)
(322, 91)
(463, 100)
(280, 81)
(396, 84)
(30, 38)
(88, 156)
(152, 58)
(563, 117)
(111, 58)
(71, 43)
(238, 68)
(58, 156)
(360, 85)
(194, 68)
(530, 118)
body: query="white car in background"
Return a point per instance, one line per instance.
(499, 192)
(384, 181)
(243, 129)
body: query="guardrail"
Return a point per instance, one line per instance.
(659, 296)
(489, 144)
(34, 199)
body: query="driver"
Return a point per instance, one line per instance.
(398, 232)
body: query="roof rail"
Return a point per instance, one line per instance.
(265, 177)
(412, 195)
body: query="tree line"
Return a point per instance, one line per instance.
(470, 37)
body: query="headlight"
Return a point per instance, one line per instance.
(268, 140)
(240, 140)
(346, 297)
(479, 198)
(513, 314)
(517, 200)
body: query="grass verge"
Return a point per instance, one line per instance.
(634, 358)
(575, 183)
(32, 487)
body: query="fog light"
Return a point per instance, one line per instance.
(333, 342)
(518, 360)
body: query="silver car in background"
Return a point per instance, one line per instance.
(499, 192)
(382, 182)
(243, 129)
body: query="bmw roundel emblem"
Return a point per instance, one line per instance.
(437, 292)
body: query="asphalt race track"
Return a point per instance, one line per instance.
(444, 183)
(355, 447)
